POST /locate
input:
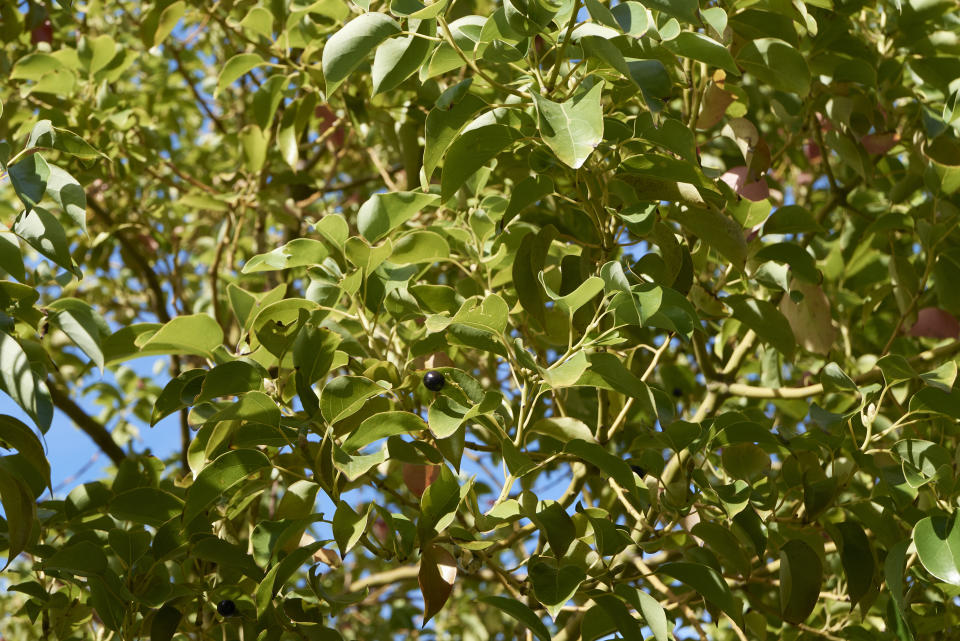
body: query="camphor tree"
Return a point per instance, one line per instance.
(589, 320)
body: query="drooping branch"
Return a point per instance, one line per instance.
(89, 425)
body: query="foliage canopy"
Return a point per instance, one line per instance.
(688, 271)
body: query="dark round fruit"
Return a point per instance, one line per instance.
(434, 381)
(639, 470)
(227, 608)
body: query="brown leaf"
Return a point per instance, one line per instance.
(418, 478)
(329, 557)
(438, 572)
(810, 318)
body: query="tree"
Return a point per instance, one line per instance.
(682, 276)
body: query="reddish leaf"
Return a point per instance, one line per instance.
(736, 177)
(418, 478)
(42, 33)
(933, 322)
(877, 144)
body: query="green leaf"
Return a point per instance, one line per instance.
(254, 142)
(470, 151)
(165, 623)
(381, 426)
(613, 466)
(801, 575)
(281, 573)
(16, 435)
(601, 14)
(397, 59)
(46, 136)
(896, 369)
(721, 232)
(34, 66)
(764, 319)
(197, 334)
(745, 461)
(683, 10)
(578, 297)
(609, 538)
(489, 314)
(649, 607)
(226, 554)
(632, 19)
(937, 540)
(574, 128)
(439, 503)
(776, 63)
(167, 20)
(382, 213)
(344, 395)
(530, 190)
(894, 568)
(445, 122)
(708, 583)
(724, 544)
(255, 407)
(146, 505)
(553, 584)
(348, 526)
(22, 384)
(44, 233)
(347, 49)
(82, 325)
(236, 67)
(932, 399)
(11, 259)
(521, 613)
(563, 428)
(67, 192)
(922, 460)
(416, 9)
(29, 177)
(230, 379)
(20, 509)
(297, 253)
(420, 247)
(447, 415)
(567, 373)
(219, 477)
(313, 352)
(856, 556)
(82, 558)
(652, 78)
(697, 46)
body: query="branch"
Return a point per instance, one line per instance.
(395, 575)
(749, 391)
(563, 47)
(90, 426)
(136, 255)
(196, 94)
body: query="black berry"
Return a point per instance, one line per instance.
(227, 608)
(639, 470)
(434, 381)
